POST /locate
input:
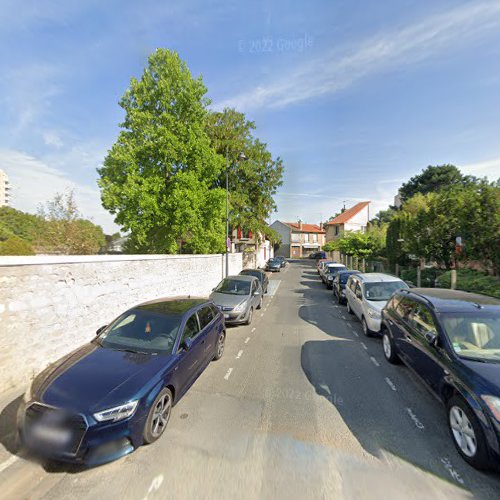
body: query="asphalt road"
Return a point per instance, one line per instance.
(300, 406)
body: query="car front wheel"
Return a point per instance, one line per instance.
(467, 433)
(250, 316)
(158, 417)
(221, 343)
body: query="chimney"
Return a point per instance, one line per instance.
(300, 225)
(321, 226)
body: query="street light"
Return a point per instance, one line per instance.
(241, 157)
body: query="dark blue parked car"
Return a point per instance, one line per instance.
(451, 340)
(116, 393)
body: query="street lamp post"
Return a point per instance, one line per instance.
(241, 157)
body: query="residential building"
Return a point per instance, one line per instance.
(4, 189)
(352, 219)
(299, 239)
(255, 248)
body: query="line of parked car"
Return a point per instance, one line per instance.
(450, 339)
(116, 393)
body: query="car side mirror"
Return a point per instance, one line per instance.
(187, 343)
(100, 330)
(431, 338)
(256, 292)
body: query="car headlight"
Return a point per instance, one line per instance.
(493, 404)
(330, 278)
(117, 413)
(373, 314)
(240, 307)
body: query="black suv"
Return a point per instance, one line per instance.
(451, 341)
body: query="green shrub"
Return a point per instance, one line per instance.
(472, 281)
(427, 276)
(15, 246)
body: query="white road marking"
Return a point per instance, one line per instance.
(253, 330)
(261, 314)
(390, 383)
(246, 340)
(238, 356)
(416, 421)
(453, 473)
(343, 317)
(364, 346)
(374, 361)
(8, 462)
(355, 333)
(228, 374)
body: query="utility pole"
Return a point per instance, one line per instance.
(227, 218)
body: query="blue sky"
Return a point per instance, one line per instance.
(356, 96)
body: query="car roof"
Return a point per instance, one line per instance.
(172, 306)
(377, 277)
(349, 271)
(335, 264)
(251, 271)
(446, 300)
(241, 277)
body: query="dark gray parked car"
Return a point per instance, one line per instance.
(259, 274)
(238, 297)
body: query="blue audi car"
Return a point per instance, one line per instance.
(116, 393)
(451, 340)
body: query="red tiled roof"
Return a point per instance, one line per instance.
(306, 228)
(348, 214)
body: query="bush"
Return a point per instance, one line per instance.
(427, 276)
(15, 246)
(472, 281)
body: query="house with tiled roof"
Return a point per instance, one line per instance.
(298, 239)
(351, 219)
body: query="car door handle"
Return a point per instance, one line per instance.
(408, 338)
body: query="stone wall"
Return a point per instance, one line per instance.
(51, 305)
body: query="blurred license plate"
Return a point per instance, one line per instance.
(226, 316)
(50, 434)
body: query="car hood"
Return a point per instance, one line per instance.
(94, 377)
(489, 374)
(228, 300)
(378, 305)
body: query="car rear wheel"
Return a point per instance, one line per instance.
(349, 310)
(158, 417)
(250, 316)
(221, 343)
(390, 351)
(467, 433)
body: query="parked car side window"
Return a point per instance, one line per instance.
(393, 303)
(421, 319)
(191, 329)
(357, 291)
(352, 284)
(205, 316)
(215, 311)
(405, 308)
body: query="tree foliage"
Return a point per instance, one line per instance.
(253, 182)
(14, 245)
(159, 176)
(357, 244)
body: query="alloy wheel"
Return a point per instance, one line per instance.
(386, 343)
(161, 415)
(462, 431)
(220, 345)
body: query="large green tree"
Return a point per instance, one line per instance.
(253, 182)
(160, 177)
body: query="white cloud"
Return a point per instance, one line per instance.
(34, 182)
(338, 69)
(52, 139)
(488, 168)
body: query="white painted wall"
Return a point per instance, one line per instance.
(51, 305)
(359, 220)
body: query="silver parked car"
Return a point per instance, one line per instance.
(238, 297)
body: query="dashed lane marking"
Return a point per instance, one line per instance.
(261, 314)
(355, 333)
(374, 361)
(364, 346)
(453, 473)
(390, 383)
(247, 340)
(228, 374)
(253, 330)
(416, 421)
(8, 463)
(238, 356)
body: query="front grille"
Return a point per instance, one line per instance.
(74, 423)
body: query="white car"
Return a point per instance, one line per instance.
(329, 273)
(366, 295)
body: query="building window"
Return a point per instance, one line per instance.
(296, 237)
(314, 238)
(306, 238)
(336, 230)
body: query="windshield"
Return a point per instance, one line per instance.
(251, 273)
(343, 277)
(335, 270)
(383, 290)
(233, 287)
(474, 335)
(141, 331)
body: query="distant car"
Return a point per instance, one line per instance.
(312, 255)
(281, 260)
(320, 263)
(116, 393)
(330, 272)
(238, 297)
(339, 283)
(317, 255)
(451, 340)
(273, 266)
(367, 294)
(259, 274)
